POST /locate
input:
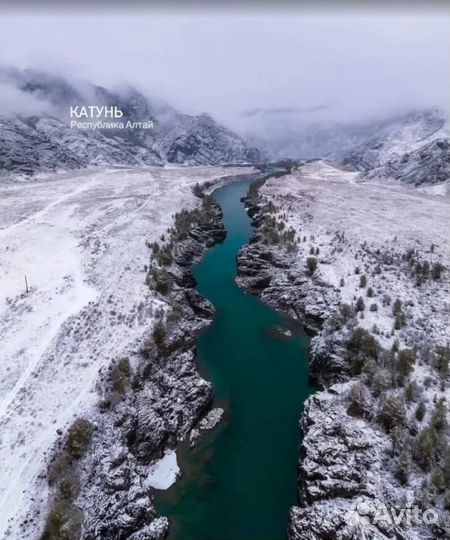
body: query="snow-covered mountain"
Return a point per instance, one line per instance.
(397, 137)
(37, 135)
(428, 164)
(414, 149)
(408, 142)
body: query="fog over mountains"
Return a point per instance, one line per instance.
(35, 131)
(414, 149)
(410, 146)
(298, 84)
(290, 133)
(36, 134)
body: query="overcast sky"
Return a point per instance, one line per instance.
(354, 65)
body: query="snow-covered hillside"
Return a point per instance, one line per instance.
(365, 265)
(39, 136)
(414, 150)
(367, 144)
(426, 165)
(398, 137)
(324, 202)
(79, 241)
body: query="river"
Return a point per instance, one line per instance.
(239, 482)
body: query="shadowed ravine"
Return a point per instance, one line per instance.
(240, 481)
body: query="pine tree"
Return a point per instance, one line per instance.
(443, 361)
(404, 466)
(425, 446)
(420, 411)
(360, 306)
(159, 334)
(392, 413)
(397, 307)
(311, 263)
(436, 270)
(439, 417)
(406, 361)
(359, 401)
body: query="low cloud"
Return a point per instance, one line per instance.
(14, 101)
(348, 67)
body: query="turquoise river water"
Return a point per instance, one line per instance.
(239, 482)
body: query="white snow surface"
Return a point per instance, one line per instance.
(80, 240)
(322, 199)
(164, 472)
(346, 224)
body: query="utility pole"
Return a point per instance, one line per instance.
(26, 284)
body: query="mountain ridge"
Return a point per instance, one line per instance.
(45, 141)
(290, 135)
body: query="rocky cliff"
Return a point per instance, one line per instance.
(414, 150)
(104, 469)
(363, 458)
(427, 165)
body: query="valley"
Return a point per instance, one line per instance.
(199, 344)
(239, 480)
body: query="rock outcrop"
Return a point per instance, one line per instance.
(101, 472)
(427, 165)
(414, 150)
(350, 467)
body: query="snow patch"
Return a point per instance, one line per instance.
(164, 472)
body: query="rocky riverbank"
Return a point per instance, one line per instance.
(375, 437)
(104, 470)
